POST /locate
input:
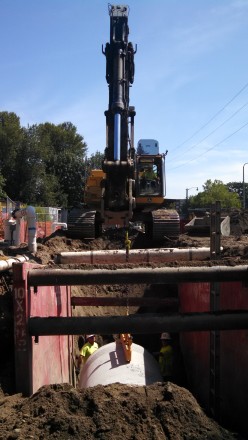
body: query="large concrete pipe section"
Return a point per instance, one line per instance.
(134, 256)
(164, 275)
(108, 365)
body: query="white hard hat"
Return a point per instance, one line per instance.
(89, 336)
(165, 336)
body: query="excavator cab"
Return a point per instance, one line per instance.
(150, 176)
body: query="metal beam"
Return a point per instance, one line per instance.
(138, 324)
(169, 275)
(123, 301)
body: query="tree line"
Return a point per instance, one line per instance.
(43, 164)
(230, 195)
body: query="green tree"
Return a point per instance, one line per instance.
(41, 164)
(213, 191)
(30, 168)
(237, 187)
(94, 162)
(10, 141)
(2, 184)
(64, 159)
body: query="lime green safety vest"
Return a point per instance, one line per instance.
(88, 349)
(166, 360)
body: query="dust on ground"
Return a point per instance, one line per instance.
(159, 411)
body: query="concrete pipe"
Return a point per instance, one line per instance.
(134, 256)
(108, 365)
(7, 263)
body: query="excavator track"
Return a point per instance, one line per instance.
(81, 223)
(165, 224)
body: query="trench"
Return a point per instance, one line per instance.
(151, 342)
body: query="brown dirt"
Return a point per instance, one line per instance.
(159, 411)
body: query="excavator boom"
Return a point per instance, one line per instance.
(119, 153)
(119, 193)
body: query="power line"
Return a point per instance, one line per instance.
(213, 117)
(213, 131)
(214, 146)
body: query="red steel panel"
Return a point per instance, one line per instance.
(49, 359)
(51, 356)
(234, 359)
(233, 351)
(194, 297)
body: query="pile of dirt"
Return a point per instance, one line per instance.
(158, 411)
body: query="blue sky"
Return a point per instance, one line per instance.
(191, 78)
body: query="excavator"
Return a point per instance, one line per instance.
(130, 187)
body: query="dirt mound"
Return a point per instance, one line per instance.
(158, 411)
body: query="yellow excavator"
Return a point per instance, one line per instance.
(130, 187)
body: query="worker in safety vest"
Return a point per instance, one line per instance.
(88, 348)
(165, 359)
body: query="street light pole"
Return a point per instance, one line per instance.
(187, 191)
(244, 184)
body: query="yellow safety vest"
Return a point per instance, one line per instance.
(87, 350)
(166, 360)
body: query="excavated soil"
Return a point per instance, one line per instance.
(159, 411)
(156, 412)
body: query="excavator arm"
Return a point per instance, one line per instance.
(118, 165)
(119, 195)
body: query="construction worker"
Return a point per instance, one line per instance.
(165, 359)
(88, 348)
(148, 177)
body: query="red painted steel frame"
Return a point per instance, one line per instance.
(49, 360)
(233, 350)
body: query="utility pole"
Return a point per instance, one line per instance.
(244, 184)
(187, 191)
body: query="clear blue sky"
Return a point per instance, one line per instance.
(191, 82)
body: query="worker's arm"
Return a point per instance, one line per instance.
(79, 360)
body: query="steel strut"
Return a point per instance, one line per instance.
(127, 245)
